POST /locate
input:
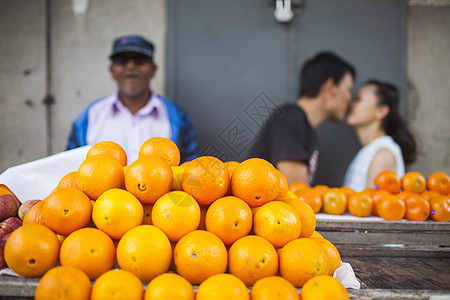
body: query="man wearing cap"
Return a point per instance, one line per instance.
(134, 113)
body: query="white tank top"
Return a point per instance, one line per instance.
(356, 175)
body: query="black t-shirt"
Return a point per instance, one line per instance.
(288, 137)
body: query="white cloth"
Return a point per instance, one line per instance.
(356, 175)
(110, 120)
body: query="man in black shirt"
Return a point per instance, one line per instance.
(289, 141)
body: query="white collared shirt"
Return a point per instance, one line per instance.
(110, 120)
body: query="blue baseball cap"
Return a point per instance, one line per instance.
(132, 43)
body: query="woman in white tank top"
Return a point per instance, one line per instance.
(387, 144)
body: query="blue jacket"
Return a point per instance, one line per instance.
(183, 132)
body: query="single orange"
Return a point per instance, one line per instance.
(388, 180)
(117, 284)
(148, 179)
(176, 214)
(376, 198)
(302, 259)
(278, 222)
(68, 180)
(360, 204)
(177, 172)
(323, 287)
(391, 208)
(274, 288)
(321, 188)
(251, 258)
(230, 218)
(307, 216)
(161, 147)
(256, 181)
(199, 255)
(439, 182)
(169, 286)
(414, 182)
(429, 195)
(283, 191)
(88, 249)
(334, 201)
(297, 186)
(99, 173)
(440, 208)
(417, 208)
(206, 179)
(144, 251)
(347, 191)
(369, 191)
(316, 234)
(404, 194)
(116, 211)
(109, 148)
(334, 258)
(31, 250)
(63, 283)
(222, 287)
(67, 210)
(34, 215)
(147, 220)
(312, 197)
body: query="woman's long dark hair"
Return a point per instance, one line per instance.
(393, 124)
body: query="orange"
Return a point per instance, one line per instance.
(69, 180)
(109, 148)
(147, 214)
(312, 197)
(417, 208)
(176, 214)
(376, 198)
(297, 186)
(334, 201)
(404, 194)
(321, 188)
(302, 259)
(177, 172)
(307, 216)
(429, 195)
(199, 255)
(34, 215)
(31, 250)
(323, 287)
(391, 208)
(440, 208)
(169, 286)
(117, 284)
(388, 180)
(222, 287)
(206, 179)
(347, 191)
(316, 234)
(230, 218)
(256, 181)
(439, 182)
(99, 173)
(278, 222)
(88, 249)
(6, 190)
(230, 165)
(414, 182)
(203, 211)
(251, 258)
(334, 258)
(148, 179)
(360, 204)
(63, 283)
(369, 191)
(283, 192)
(116, 211)
(145, 251)
(161, 147)
(273, 288)
(67, 210)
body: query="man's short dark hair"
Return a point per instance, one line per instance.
(317, 70)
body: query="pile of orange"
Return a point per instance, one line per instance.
(223, 226)
(412, 197)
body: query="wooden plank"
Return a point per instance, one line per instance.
(380, 294)
(393, 251)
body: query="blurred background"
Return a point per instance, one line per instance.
(227, 63)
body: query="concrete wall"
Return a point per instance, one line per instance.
(79, 71)
(429, 85)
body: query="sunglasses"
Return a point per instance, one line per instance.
(122, 60)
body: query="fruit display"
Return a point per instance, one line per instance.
(411, 197)
(154, 229)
